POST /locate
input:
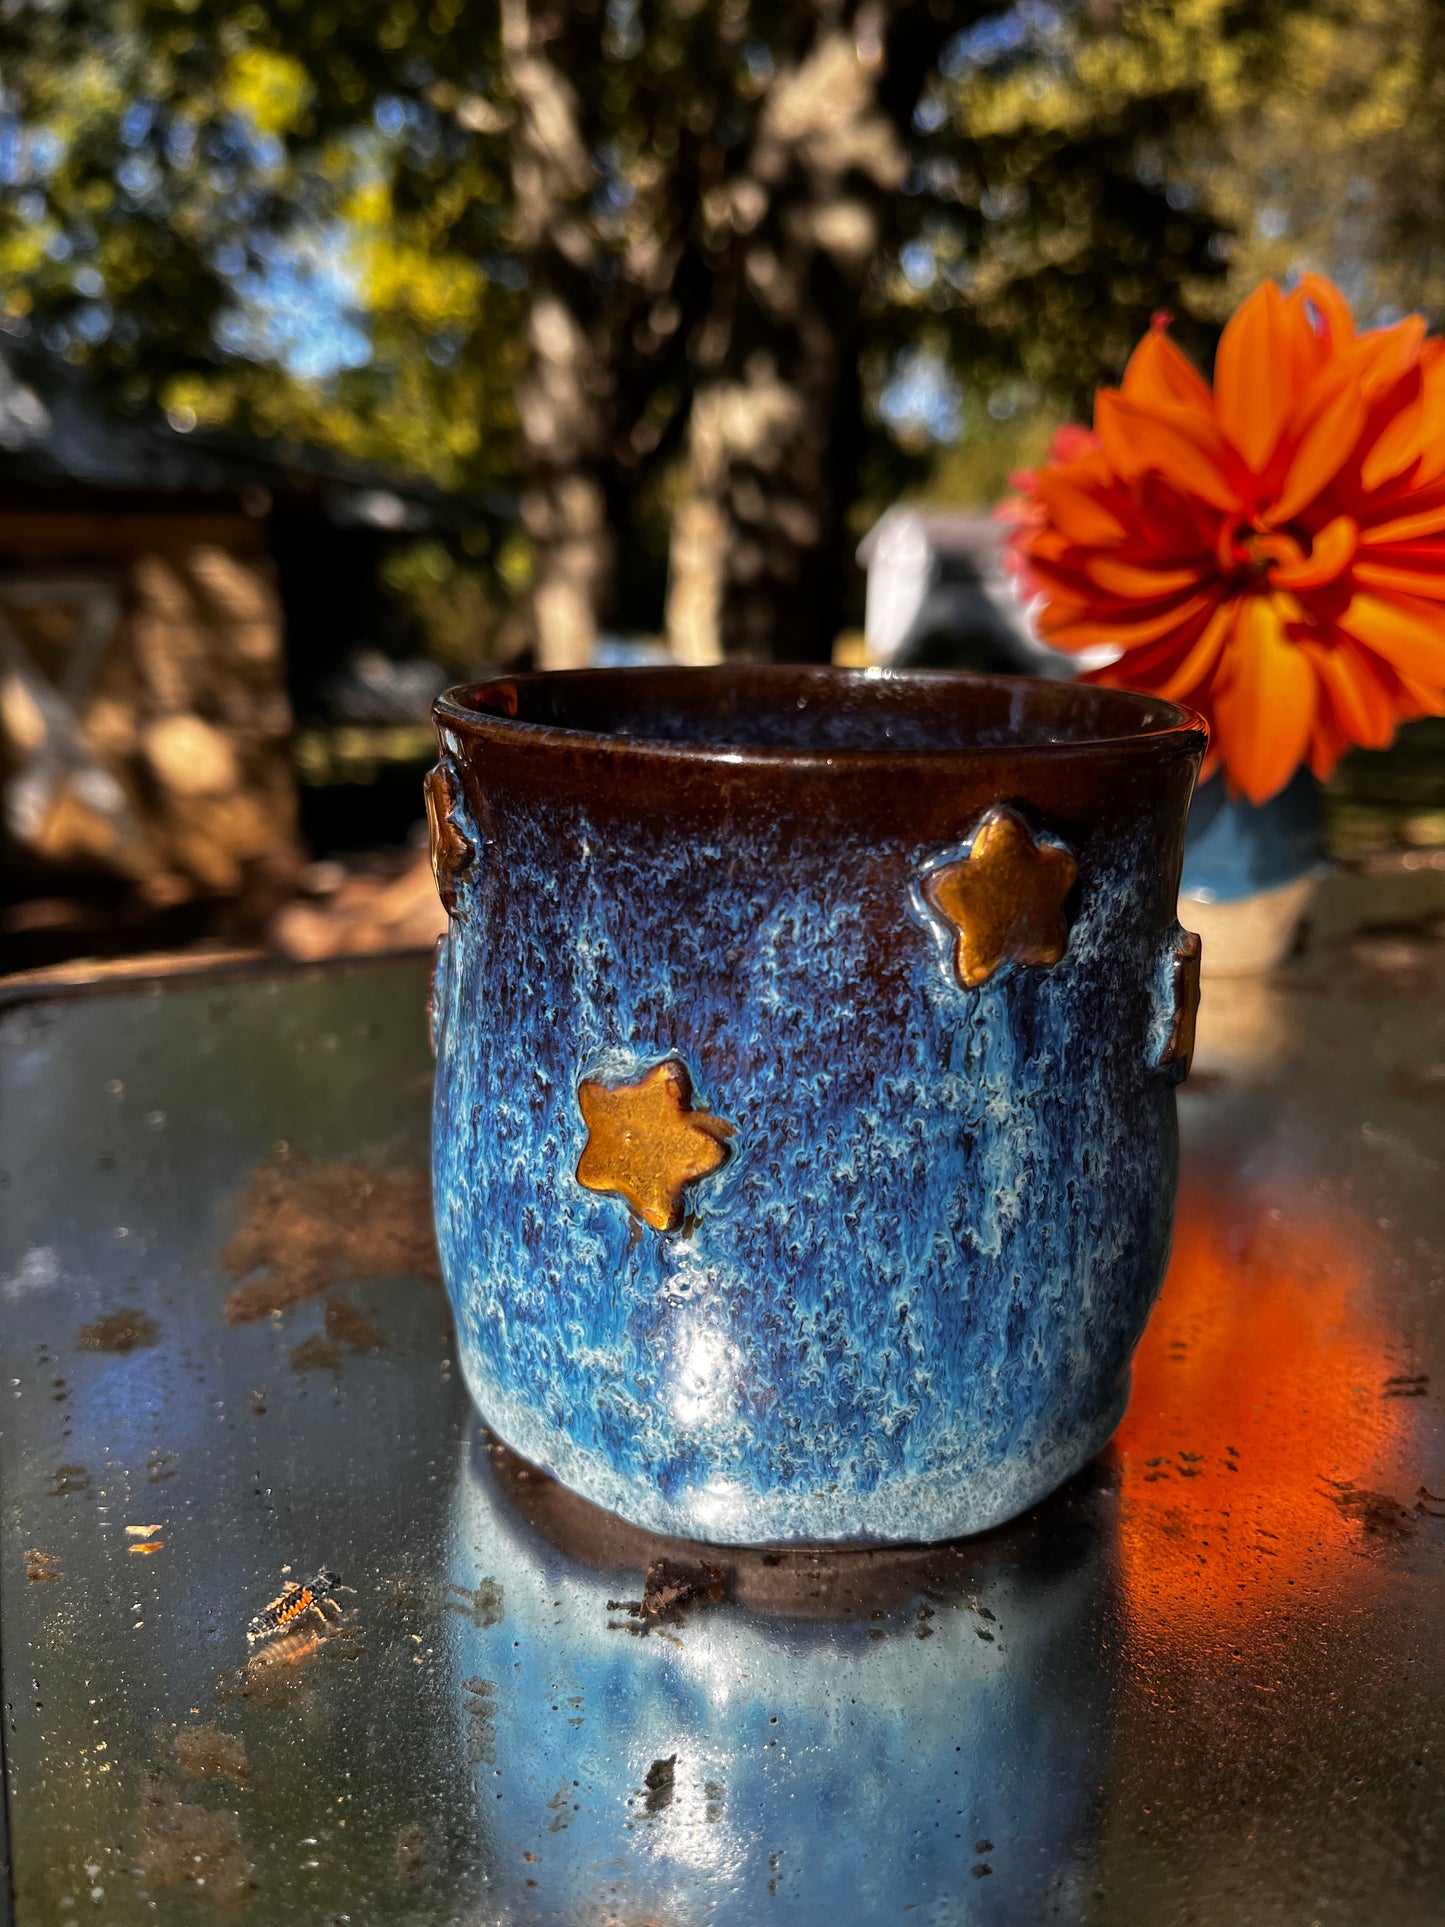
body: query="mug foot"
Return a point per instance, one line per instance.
(940, 1505)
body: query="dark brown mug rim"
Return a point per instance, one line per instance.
(1163, 726)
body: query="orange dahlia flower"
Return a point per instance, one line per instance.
(1270, 551)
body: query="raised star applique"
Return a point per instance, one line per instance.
(451, 848)
(1179, 1049)
(1004, 900)
(646, 1143)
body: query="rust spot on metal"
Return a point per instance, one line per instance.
(1179, 1051)
(646, 1143)
(451, 849)
(1005, 899)
(308, 1224)
(121, 1331)
(206, 1753)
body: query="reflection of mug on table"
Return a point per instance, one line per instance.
(804, 1132)
(938, 1711)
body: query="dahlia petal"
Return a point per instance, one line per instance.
(1334, 547)
(1197, 664)
(1183, 447)
(1266, 710)
(1122, 578)
(1326, 445)
(1426, 579)
(1337, 324)
(1310, 347)
(1328, 743)
(1251, 402)
(1121, 631)
(1409, 635)
(1356, 692)
(1421, 699)
(1387, 354)
(1068, 590)
(1072, 441)
(1427, 518)
(1153, 660)
(1432, 432)
(1396, 447)
(1048, 545)
(1077, 514)
(1159, 375)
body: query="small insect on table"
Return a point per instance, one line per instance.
(1206, 1683)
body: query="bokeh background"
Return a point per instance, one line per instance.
(352, 347)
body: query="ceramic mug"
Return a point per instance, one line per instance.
(804, 1143)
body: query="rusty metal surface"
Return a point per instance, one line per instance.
(1204, 1684)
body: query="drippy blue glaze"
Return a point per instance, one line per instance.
(904, 1307)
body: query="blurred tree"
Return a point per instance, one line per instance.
(738, 220)
(1338, 166)
(728, 262)
(257, 215)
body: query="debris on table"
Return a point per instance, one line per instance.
(41, 1566)
(309, 1223)
(660, 1783)
(206, 1753)
(179, 1845)
(121, 1332)
(672, 1588)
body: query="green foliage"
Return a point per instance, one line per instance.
(454, 606)
(976, 471)
(190, 176)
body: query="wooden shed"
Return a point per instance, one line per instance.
(147, 792)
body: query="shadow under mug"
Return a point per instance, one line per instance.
(804, 1143)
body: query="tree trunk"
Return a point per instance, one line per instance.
(776, 433)
(563, 399)
(776, 420)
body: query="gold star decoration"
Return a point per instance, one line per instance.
(1179, 1051)
(1005, 899)
(451, 850)
(646, 1143)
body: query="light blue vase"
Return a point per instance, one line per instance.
(1235, 849)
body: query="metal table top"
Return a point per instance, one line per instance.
(1205, 1683)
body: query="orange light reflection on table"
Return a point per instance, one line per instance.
(1260, 1425)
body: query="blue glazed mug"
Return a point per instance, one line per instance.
(804, 1143)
